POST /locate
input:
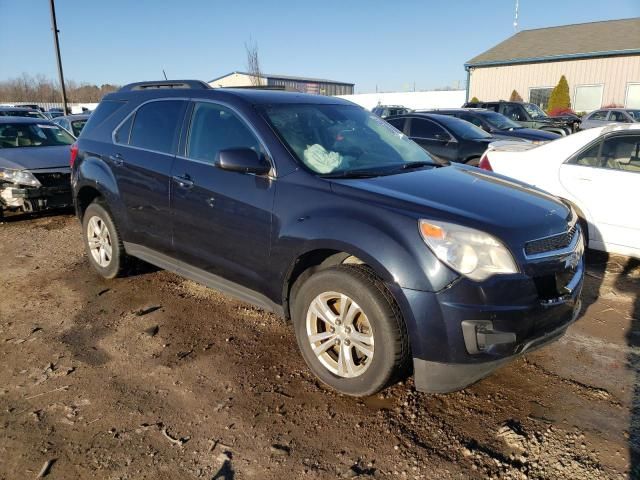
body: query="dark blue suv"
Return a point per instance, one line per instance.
(312, 207)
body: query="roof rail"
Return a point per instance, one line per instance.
(192, 84)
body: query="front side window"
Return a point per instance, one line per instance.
(421, 128)
(343, 139)
(621, 153)
(515, 113)
(214, 128)
(155, 125)
(635, 114)
(616, 116)
(14, 135)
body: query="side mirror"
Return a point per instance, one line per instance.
(243, 160)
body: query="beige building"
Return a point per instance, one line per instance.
(316, 86)
(600, 60)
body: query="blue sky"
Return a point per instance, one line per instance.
(388, 44)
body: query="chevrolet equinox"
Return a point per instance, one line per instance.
(384, 259)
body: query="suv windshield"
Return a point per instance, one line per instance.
(14, 135)
(499, 121)
(534, 110)
(343, 139)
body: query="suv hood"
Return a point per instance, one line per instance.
(506, 208)
(31, 158)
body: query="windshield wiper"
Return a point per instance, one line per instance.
(354, 174)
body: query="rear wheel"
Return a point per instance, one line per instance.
(349, 330)
(102, 241)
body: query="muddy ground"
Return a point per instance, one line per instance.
(152, 376)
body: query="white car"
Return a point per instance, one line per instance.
(596, 170)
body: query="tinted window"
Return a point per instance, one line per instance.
(621, 153)
(398, 123)
(105, 109)
(599, 115)
(215, 128)
(122, 134)
(155, 125)
(426, 129)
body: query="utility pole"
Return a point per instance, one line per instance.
(515, 17)
(54, 27)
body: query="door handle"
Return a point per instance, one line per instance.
(211, 201)
(183, 182)
(117, 159)
(584, 179)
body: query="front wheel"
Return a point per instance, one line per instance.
(349, 330)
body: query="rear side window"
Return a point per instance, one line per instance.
(105, 109)
(155, 125)
(599, 115)
(215, 128)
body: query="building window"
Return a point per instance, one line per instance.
(540, 96)
(587, 98)
(632, 99)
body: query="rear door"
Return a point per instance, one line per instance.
(605, 178)
(144, 151)
(433, 138)
(221, 219)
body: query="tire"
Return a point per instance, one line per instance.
(112, 262)
(372, 324)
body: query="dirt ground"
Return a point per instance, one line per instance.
(152, 376)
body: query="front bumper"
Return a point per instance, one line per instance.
(34, 199)
(464, 332)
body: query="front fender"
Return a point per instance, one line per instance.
(390, 244)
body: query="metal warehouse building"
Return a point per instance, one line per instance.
(298, 84)
(601, 61)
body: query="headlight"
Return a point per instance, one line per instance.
(19, 177)
(472, 253)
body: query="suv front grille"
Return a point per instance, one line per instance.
(54, 179)
(549, 244)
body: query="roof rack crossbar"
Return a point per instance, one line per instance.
(191, 84)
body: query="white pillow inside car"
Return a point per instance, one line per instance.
(321, 160)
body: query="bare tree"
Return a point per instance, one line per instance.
(253, 62)
(42, 89)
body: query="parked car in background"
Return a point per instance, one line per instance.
(21, 112)
(529, 115)
(312, 207)
(34, 165)
(606, 116)
(597, 171)
(496, 124)
(55, 112)
(72, 123)
(446, 137)
(385, 111)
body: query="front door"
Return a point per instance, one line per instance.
(221, 219)
(433, 138)
(141, 159)
(606, 179)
